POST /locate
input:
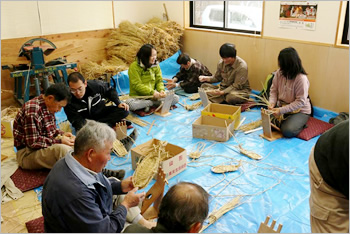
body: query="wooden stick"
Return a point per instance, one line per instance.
(253, 130)
(240, 123)
(150, 127)
(160, 106)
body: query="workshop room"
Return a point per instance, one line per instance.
(175, 116)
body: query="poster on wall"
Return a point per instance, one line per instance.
(300, 15)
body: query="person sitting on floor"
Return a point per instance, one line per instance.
(289, 94)
(88, 102)
(183, 209)
(232, 71)
(329, 181)
(39, 143)
(188, 76)
(77, 197)
(145, 78)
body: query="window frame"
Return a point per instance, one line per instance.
(225, 19)
(344, 37)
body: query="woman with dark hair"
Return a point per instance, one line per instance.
(289, 93)
(145, 78)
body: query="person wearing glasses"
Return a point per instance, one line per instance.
(88, 102)
(39, 143)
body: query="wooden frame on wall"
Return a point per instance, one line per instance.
(340, 26)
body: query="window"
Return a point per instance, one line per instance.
(345, 37)
(238, 16)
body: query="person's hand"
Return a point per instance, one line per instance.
(68, 140)
(162, 94)
(156, 94)
(69, 134)
(127, 184)
(203, 78)
(123, 106)
(216, 92)
(168, 80)
(132, 199)
(276, 112)
(170, 85)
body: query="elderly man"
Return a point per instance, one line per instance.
(39, 143)
(183, 209)
(77, 197)
(88, 102)
(232, 71)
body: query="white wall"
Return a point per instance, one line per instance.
(142, 11)
(326, 23)
(37, 18)
(19, 19)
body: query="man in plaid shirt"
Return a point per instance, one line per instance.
(39, 143)
(188, 75)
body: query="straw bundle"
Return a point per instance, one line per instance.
(148, 167)
(136, 120)
(65, 126)
(215, 215)
(119, 148)
(126, 40)
(249, 154)
(194, 106)
(197, 150)
(226, 168)
(251, 125)
(194, 96)
(9, 113)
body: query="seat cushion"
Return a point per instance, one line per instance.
(314, 128)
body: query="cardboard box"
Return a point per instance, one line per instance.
(6, 128)
(171, 167)
(223, 111)
(213, 128)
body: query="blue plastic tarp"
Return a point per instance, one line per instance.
(276, 186)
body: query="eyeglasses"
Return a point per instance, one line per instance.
(80, 89)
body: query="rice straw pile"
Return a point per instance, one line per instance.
(148, 167)
(194, 106)
(65, 126)
(127, 39)
(251, 125)
(9, 113)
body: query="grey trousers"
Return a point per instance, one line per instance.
(137, 104)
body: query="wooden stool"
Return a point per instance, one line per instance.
(268, 134)
(204, 97)
(121, 130)
(154, 195)
(165, 106)
(269, 229)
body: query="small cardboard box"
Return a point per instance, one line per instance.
(171, 167)
(6, 128)
(223, 111)
(212, 128)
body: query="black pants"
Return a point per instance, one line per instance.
(192, 88)
(111, 115)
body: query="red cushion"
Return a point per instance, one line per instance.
(314, 128)
(36, 225)
(29, 179)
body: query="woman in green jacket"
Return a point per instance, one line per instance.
(145, 78)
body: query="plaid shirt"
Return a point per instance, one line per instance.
(34, 126)
(190, 77)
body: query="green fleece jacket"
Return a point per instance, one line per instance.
(144, 83)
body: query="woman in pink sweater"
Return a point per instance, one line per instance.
(289, 93)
